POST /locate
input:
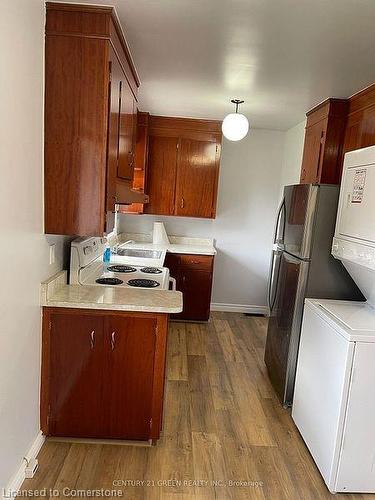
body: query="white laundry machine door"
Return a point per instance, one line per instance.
(320, 397)
(356, 471)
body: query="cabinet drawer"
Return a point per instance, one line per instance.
(197, 261)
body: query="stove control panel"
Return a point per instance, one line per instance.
(83, 251)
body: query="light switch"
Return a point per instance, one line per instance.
(52, 254)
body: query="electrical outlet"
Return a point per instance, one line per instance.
(52, 253)
(31, 467)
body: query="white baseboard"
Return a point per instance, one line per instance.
(16, 482)
(240, 308)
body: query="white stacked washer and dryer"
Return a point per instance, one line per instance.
(334, 398)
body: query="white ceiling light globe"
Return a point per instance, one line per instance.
(235, 126)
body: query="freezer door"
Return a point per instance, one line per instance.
(300, 206)
(284, 324)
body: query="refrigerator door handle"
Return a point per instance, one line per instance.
(279, 238)
(271, 300)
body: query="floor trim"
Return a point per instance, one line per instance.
(239, 308)
(16, 482)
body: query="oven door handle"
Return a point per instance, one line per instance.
(172, 283)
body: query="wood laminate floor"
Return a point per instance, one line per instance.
(225, 434)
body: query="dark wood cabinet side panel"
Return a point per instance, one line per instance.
(159, 376)
(76, 102)
(162, 167)
(332, 154)
(45, 372)
(322, 153)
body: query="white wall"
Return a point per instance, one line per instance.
(292, 160)
(24, 250)
(248, 197)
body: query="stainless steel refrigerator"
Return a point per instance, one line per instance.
(301, 266)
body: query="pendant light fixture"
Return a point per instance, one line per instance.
(235, 126)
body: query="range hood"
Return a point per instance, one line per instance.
(126, 195)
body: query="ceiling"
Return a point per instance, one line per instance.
(281, 56)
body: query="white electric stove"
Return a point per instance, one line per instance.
(87, 268)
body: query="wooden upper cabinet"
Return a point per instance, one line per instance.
(140, 162)
(183, 166)
(127, 132)
(196, 178)
(115, 78)
(90, 101)
(322, 154)
(162, 169)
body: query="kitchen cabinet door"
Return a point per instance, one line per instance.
(197, 176)
(140, 163)
(193, 274)
(196, 289)
(128, 388)
(162, 168)
(127, 131)
(116, 76)
(75, 382)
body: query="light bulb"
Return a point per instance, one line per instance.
(235, 126)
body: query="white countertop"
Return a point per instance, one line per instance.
(56, 293)
(178, 244)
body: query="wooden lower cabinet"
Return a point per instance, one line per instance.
(193, 274)
(103, 373)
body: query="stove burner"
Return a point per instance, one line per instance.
(121, 269)
(109, 281)
(151, 270)
(143, 283)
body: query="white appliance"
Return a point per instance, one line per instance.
(87, 268)
(334, 398)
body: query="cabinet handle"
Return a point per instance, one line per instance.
(182, 203)
(92, 339)
(113, 340)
